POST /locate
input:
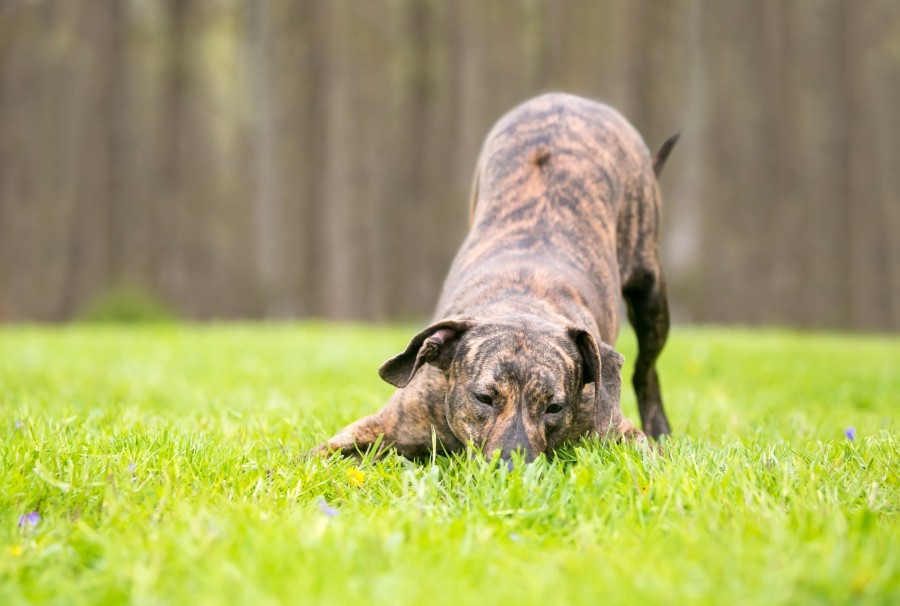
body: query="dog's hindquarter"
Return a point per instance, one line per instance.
(558, 208)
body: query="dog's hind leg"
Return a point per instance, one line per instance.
(644, 289)
(648, 311)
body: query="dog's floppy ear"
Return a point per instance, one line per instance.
(435, 345)
(601, 360)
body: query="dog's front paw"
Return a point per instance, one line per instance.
(628, 432)
(322, 451)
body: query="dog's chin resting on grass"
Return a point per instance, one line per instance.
(565, 214)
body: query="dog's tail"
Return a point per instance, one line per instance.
(659, 160)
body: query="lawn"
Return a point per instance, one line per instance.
(165, 465)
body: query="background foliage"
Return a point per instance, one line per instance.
(282, 159)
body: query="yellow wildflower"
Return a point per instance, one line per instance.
(356, 476)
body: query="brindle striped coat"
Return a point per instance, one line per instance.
(565, 213)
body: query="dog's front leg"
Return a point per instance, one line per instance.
(412, 422)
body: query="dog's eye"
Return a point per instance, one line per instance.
(484, 399)
(553, 409)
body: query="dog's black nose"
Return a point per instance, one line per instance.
(517, 455)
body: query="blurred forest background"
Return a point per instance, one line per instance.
(284, 158)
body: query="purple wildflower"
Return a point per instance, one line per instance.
(18, 425)
(850, 433)
(327, 509)
(29, 519)
(131, 467)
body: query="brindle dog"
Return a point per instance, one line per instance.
(565, 213)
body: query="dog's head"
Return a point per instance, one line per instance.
(517, 384)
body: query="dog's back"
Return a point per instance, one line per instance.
(564, 212)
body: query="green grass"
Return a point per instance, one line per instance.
(167, 466)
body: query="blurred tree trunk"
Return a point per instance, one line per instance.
(11, 196)
(870, 213)
(172, 220)
(269, 199)
(339, 298)
(411, 161)
(312, 192)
